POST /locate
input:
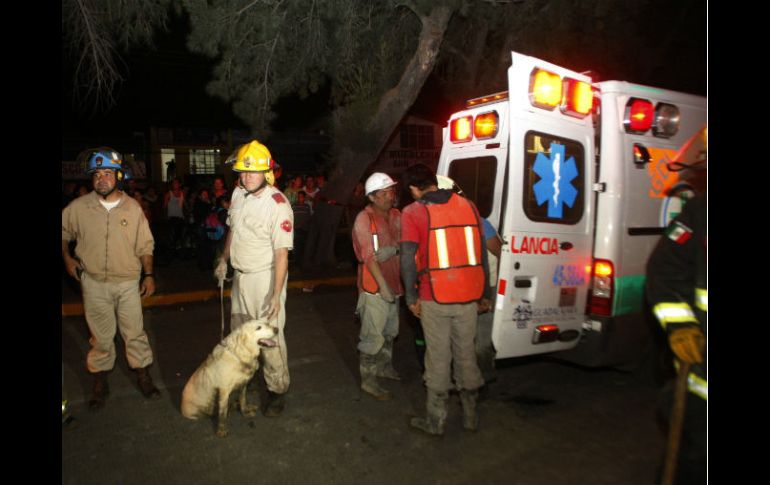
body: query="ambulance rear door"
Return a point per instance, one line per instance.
(547, 219)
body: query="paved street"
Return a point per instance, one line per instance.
(543, 423)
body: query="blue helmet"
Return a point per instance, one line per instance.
(104, 157)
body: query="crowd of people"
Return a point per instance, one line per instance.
(189, 221)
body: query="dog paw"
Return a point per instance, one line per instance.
(221, 432)
(250, 410)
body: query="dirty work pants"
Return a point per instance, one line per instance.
(110, 306)
(250, 300)
(379, 319)
(450, 331)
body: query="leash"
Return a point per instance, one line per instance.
(222, 306)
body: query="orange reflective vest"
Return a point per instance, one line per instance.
(368, 283)
(455, 267)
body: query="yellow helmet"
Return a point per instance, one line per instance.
(251, 157)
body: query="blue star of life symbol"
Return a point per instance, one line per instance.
(555, 185)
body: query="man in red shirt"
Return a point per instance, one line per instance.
(375, 240)
(442, 243)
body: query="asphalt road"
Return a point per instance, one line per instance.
(544, 422)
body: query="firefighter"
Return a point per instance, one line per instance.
(261, 234)
(113, 263)
(445, 272)
(376, 233)
(677, 292)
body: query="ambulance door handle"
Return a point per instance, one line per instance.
(565, 246)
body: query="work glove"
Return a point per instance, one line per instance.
(688, 344)
(386, 293)
(220, 272)
(385, 253)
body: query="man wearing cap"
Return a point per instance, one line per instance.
(261, 233)
(376, 233)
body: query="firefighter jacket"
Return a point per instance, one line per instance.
(676, 280)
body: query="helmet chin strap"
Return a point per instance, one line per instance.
(249, 192)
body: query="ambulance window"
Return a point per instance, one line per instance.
(554, 172)
(476, 177)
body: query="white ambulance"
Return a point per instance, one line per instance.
(574, 177)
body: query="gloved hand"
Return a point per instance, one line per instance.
(386, 293)
(688, 344)
(385, 253)
(220, 272)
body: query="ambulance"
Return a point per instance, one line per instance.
(575, 177)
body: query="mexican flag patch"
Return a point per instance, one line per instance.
(678, 232)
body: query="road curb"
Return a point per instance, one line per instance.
(76, 309)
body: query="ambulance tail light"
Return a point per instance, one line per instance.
(603, 287)
(545, 89)
(485, 125)
(460, 129)
(578, 98)
(545, 333)
(666, 122)
(639, 115)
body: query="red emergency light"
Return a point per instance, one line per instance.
(485, 125)
(578, 98)
(639, 115)
(460, 129)
(545, 89)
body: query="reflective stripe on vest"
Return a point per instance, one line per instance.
(702, 299)
(674, 313)
(368, 283)
(454, 252)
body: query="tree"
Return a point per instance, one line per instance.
(376, 56)
(93, 31)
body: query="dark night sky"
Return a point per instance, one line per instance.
(166, 86)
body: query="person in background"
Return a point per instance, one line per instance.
(302, 214)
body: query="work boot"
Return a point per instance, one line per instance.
(146, 386)
(369, 384)
(385, 361)
(100, 392)
(436, 405)
(470, 415)
(275, 404)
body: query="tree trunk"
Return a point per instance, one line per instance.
(352, 159)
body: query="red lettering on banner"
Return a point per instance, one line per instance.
(535, 245)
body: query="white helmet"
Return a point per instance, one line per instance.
(378, 181)
(445, 182)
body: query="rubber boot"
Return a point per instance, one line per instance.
(385, 361)
(468, 399)
(146, 386)
(275, 404)
(436, 406)
(100, 391)
(369, 384)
